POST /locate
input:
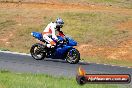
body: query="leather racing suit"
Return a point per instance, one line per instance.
(50, 31)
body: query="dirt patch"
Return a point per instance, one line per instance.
(125, 25)
(66, 6)
(121, 52)
(5, 38)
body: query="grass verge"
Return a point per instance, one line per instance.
(13, 80)
(102, 60)
(4, 49)
(85, 27)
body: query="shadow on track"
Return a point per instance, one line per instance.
(63, 61)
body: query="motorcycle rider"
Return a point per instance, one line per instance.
(50, 31)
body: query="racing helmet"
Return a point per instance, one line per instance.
(59, 23)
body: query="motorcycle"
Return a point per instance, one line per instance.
(64, 49)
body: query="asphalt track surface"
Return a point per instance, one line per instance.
(25, 63)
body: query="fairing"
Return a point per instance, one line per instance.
(37, 35)
(61, 49)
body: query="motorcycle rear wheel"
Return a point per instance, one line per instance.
(37, 51)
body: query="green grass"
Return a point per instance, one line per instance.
(85, 27)
(15, 80)
(6, 23)
(4, 49)
(95, 27)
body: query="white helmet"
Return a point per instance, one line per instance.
(59, 22)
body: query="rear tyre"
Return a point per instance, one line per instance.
(38, 52)
(73, 56)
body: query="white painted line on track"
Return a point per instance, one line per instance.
(108, 65)
(122, 66)
(15, 53)
(129, 67)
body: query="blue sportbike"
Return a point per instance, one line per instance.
(64, 49)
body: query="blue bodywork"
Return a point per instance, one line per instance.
(37, 35)
(60, 49)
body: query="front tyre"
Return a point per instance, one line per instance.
(37, 51)
(73, 56)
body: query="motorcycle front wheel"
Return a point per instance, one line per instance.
(37, 51)
(73, 56)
